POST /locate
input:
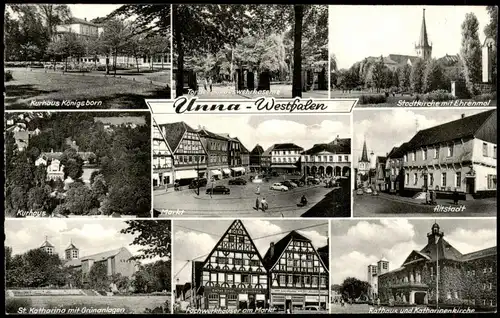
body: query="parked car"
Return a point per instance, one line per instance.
(278, 186)
(289, 184)
(298, 182)
(238, 181)
(359, 191)
(313, 180)
(218, 190)
(198, 183)
(368, 190)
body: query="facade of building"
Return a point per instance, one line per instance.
(163, 167)
(265, 159)
(88, 30)
(364, 165)
(233, 275)
(394, 169)
(285, 158)
(256, 158)
(440, 272)
(297, 274)
(234, 156)
(458, 155)
(217, 148)
(423, 47)
(116, 261)
(374, 270)
(332, 159)
(189, 154)
(380, 174)
(245, 156)
(48, 248)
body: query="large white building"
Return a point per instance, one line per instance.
(331, 159)
(284, 157)
(459, 155)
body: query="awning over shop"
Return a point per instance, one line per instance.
(215, 172)
(284, 166)
(186, 174)
(238, 169)
(226, 171)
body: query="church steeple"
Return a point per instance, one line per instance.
(72, 251)
(423, 48)
(435, 235)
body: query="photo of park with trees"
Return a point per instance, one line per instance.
(429, 75)
(67, 164)
(53, 52)
(242, 51)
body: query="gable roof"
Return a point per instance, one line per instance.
(480, 254)
(338, 146)
(174, 133)
(257, 150)
(205, 133)
(324, 252)
(268, 151)
(71, 246)
(96, 257)
(402, 59)
(46, 244)
(242, 147)
(398, 152)
(82, 21)
(443, 249)
(280, 246)
(464, 127)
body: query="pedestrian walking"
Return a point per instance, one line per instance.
(257, 204)
(455, 197)
(205, 84)
(378, 302)
(258, 190)
(263, 204)
(210, 83)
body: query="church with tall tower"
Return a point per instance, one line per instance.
(423, 48)
(364, 164)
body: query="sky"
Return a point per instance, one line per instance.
(357, 244)
(89, 236)
(303, 130)
(385, 129)
(357, 32)
(92, 11)
(200, 238)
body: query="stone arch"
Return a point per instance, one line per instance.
(346, 171)
(329, 171)
(314, 170)
(337, 171)
(321, 170)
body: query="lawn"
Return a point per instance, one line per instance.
(28, 86)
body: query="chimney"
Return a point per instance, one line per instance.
(271, 249)
(462, 116)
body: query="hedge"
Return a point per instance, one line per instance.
(373, 99)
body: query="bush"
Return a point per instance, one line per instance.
(372, 99)
(12, 305)
(438, 96)
(8, 76)
(485, 97)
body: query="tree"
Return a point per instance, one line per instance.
(470, 52)
(491, 31)
(97, 277)
(66, 46)
(153, 236)
(54, 15)
(433, 77)
(99, 187)
(404, 77)
(298, 10)
(378, 74)
(38, 198)
(73, 164)
(74, 277)
(417, 75)
(114, 38)
(354, 288)
(79, 199)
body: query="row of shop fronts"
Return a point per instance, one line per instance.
(167, 177)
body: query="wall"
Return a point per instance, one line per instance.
(123, 265)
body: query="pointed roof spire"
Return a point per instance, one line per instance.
(423, 41)
(364, 154)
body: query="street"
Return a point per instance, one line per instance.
(388, 205)
(241, 202)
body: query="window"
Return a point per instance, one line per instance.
(231, 238)
(230, 279)
(458, 179)
(340, 158)
(407, 177)
(448, 295)
(255, 279)
(492, 181)
(494, 152)
(241, 239)
(414, 156)
(415, 179)
(491, 286)
(213, 277)
(443, 179)
(213, 296)
(221, 277)
(282, 280)
(405, 158)
(245, 278)
(237, 278)
(346, 158)
(436, 153)
(450, 150)
(473, 272)
(484, 270)
(485, 149)
(431, 179)
(491, 270)
(424, 154)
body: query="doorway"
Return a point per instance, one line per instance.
(470, 185)
(222, 301)
(288, 305)
(420, 298)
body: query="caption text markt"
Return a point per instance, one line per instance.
(183, 104)
(66, 103)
